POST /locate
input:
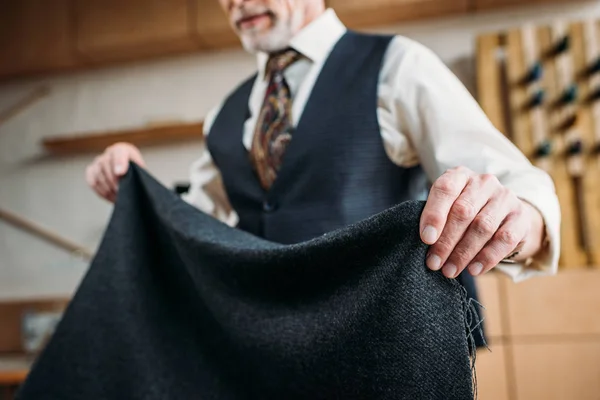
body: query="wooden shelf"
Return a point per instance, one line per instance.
(146, 136)
(12, 377)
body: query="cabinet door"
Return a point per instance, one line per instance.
(558, 369)
(361, 13)
(35, 36)
(212, 25)
(565, 305)
(130, 29)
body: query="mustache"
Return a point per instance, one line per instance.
(244, 12)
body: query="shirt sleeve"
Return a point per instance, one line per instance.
(447, 128)
(207, 192)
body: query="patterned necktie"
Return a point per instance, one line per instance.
(274, 125)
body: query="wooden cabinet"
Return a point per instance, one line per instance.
(11, 319)
(488, 288)
(361, 13)
(558, 370)
(35, 36)
(491, 366)
(572, 297)
(212, 25)
(107, 30)
(492, 4)
(47, 36)
(491, 373)
(544, 337)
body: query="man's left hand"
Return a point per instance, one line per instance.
(473, 221)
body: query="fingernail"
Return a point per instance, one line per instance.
(429, 234)
(476, 268)
(434, 262)
(119, 169)
(449, 270)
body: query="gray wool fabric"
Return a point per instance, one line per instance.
(177, 305)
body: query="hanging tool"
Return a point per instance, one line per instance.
(575, 166)
(45, 234)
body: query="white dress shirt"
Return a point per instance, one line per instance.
(426, 117)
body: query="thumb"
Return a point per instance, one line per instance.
(120, 161)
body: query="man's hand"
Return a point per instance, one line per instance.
(104, 173)
(473, 221)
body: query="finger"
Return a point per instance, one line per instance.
(108, 172)
(463, 212)
(112, 197)
(89, 176)
(92, 173)
(103, 184)
(444, 191)
(507, 238)
(479, 233)
(120, 160)
(95, 179)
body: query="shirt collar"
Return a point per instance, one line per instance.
(314, 41)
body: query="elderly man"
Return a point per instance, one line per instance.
(337, 125)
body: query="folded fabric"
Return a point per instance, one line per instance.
(177, 305)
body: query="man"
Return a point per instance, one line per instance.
(337, 126)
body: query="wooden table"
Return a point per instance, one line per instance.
(13, 371)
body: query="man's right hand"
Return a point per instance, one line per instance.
(104, 173)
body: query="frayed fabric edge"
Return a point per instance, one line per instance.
(470, 314)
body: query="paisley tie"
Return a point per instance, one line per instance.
(274, 127)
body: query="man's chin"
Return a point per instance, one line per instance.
(266, 43)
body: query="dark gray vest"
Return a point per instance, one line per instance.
(335, 171)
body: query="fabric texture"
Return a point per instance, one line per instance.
(274, 127)
(177, 305)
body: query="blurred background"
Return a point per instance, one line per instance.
(78, 75)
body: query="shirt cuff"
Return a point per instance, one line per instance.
(545, 262)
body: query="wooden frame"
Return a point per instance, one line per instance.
(563, 51)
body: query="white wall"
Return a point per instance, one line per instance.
(52, 191)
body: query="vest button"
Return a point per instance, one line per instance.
(268, 206)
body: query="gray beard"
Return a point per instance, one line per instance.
(278, 38)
